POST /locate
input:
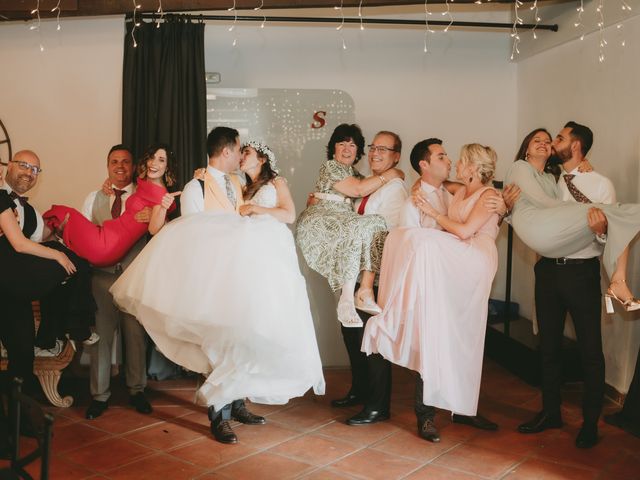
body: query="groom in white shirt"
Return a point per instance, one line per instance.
(430, 160)
(220, 190)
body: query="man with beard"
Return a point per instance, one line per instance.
(572, 284)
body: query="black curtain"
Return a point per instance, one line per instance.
(164, 90)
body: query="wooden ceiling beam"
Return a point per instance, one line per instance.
(21, 9)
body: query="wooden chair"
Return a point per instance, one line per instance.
(23, 407)
(49, 369)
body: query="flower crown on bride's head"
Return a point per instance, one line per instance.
(264, 150)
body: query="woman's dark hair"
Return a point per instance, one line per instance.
(552, 166)
(169, 176)
(265, 176)
(346, 133)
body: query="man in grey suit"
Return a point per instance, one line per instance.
(100, 207)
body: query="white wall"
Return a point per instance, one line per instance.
(462, 92)
(568, 82)
(65, 102)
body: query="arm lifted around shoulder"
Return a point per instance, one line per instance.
(477, 218)
(284, 211)
(355, 187)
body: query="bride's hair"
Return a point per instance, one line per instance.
(169, 176)
(265, 176)
(484, 158)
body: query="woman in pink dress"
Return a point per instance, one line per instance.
(105, 245)
(434, 290)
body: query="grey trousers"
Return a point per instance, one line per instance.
(108, 319)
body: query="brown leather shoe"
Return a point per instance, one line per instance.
(428, 431)
(222, 431)
(243, 415)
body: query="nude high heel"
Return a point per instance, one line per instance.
(365, 301)
(630, 304)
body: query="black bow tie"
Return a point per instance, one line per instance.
(22, 200)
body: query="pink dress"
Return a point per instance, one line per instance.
(434, 293)
(107, 244)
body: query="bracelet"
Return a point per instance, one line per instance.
(382, 179)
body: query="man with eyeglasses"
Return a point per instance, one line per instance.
(371, 376)
(21, 176)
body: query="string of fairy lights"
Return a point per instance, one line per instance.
(518, 20)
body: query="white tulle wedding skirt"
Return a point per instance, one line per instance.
(223, 295)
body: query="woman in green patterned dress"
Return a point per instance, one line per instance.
(335, 241)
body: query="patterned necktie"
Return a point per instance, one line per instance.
(363, 204)
(23, 200)
(573, 190)
(116, 208)
(229, 188)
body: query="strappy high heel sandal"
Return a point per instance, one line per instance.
(348, 316)
(630, 304)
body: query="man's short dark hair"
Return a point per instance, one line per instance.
(420, 151)
(219, 138)
(581, 133)
(120, 146)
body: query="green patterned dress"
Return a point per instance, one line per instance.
(335, 241)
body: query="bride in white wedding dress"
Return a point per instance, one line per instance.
(222, 294)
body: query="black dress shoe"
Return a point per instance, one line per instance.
(619, 420)
(476, 422)
(243, 415)
(347, 401)
(367, 417)
(542, 421)
(428, 431)
(140, 403)
(587, 437)
(222, 431)
(5, 452)
(96, 408)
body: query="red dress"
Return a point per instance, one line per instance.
(107, 244)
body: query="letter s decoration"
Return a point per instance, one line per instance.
(318, 119)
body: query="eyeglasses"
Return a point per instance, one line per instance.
(380, 148)
(27, 166)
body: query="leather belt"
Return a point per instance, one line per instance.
(569, 261)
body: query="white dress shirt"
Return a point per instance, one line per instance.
(192, 198)
(411, 216)
(87, 206)
(39, 231)
(598, 189)
(387, 201)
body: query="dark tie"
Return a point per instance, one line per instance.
(573, 190)
(363, 204)
(29, 221)
(23, 200)
(116, 208)
(229, 188)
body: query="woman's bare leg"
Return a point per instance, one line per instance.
(618, 284)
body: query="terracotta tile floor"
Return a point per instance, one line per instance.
(308, 439)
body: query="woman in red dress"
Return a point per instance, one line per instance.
(105, 245)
